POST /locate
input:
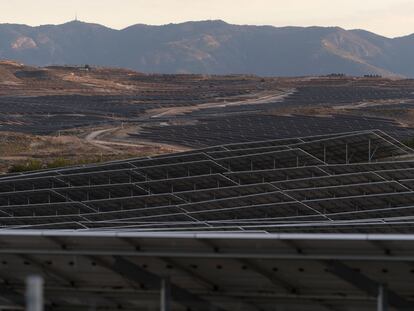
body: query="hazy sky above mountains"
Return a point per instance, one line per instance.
(386, 17)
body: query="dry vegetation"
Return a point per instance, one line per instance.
(20, 152)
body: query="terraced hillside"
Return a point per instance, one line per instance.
(121, 113)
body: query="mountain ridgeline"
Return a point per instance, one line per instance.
(211, 47)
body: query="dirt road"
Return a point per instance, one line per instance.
(261, 98)
(110, 138)
(97, 139)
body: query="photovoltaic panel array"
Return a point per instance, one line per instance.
(221, 128)
(349, 182)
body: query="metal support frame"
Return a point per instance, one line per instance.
(300, 251)
(369, 286)
(11, 295)
(203, 281)
(278, 283)
(124, 186)
(210, 285)
(139, 275)
(53, 273)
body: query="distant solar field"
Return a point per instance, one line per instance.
(252, 127)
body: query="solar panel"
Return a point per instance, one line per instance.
(288, 184)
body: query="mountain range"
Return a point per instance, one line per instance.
(211, 47)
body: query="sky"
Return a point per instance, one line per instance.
(391, 18)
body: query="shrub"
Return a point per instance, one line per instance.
(59, 162)
(31, 165)
(409, 143)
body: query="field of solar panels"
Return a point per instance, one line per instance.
(46, 100)
(211, 193)
(319, 183)
(310, 110)
(121, 113)
(308, 223)
(45, 110)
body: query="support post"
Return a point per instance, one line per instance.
(382, 301)
(369, 150)
(165, 295)
(346, 154)
(34, 293)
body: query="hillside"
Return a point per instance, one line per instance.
(212, 47)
